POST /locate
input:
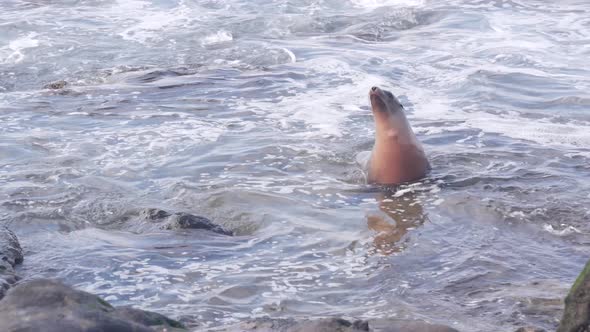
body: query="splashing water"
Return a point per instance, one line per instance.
(251, 113)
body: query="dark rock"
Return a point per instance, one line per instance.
(154, 214)
(10, 249)
(576, 316)
(339, 325)
(292, 325)
(56, 85)
(189, 221)
(47, 305)
(146, 318)
(11, 254)
(156, 219)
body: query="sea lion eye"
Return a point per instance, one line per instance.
(392, 97)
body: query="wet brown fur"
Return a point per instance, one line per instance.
(397, 155)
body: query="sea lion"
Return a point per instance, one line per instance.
(397, 155)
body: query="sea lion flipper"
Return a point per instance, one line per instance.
(362, 158)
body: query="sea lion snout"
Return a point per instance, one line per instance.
(380, 99)
(375, 91)
(384, 101)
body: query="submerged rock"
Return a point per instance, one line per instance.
(56, 85)
(48, 305)
(156, 219)
(11, 254)
(338, 324)
(576, 316)
(189, 221)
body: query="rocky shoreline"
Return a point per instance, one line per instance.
(49, 305)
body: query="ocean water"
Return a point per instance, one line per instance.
(251, 113)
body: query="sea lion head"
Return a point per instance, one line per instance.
(384, 102)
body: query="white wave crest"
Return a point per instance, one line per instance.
(381, 3)
(217, 38)
(13, 53)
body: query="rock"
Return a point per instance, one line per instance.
(292, 325)
(10, 249)
(48, 305)
(147, 318)
(576, 316)
(154, 214)
(338, 325)
(156, 219)
(56, 85)
(11, 254)
(189, 221)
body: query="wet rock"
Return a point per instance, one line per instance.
(148, 318)
(189, 221)
(48, 305)
(11, 254)
(576, 316)
(154, 215)
(10, 249)
(56, 85)
(156, 219)
(292, 325)
(338, 324)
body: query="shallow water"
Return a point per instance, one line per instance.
(251, 113)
